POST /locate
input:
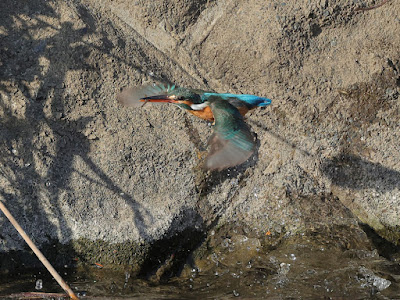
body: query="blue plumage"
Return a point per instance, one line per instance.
(250, 99)
(232, 142)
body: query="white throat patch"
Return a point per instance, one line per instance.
(199, 106)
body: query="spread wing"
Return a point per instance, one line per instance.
(232, 142)
(131, 96)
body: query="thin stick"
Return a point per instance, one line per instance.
(371, 7)
(39, 254)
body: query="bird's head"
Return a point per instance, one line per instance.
(184, 98)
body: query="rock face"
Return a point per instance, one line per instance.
(76, 166)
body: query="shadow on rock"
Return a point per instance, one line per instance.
(280, 138)
(167, 256)
(384, 247)
(39, 142)
(350, 171)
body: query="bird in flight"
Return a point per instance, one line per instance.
(231, 143)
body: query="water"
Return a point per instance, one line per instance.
(268, 277)
(39, 284)
(308, 266)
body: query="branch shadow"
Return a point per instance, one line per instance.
(22, 53)
(351, 171)
(280, 138)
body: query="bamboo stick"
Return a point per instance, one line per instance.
(38, 253)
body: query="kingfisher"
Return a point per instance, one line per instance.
(232, 142)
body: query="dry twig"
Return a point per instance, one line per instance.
(38, 253)
(371, 7)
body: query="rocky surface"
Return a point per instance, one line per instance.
(78, 169)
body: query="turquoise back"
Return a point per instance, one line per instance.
(249, 99)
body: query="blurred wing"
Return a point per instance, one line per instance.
(232, 142)
(131, 96)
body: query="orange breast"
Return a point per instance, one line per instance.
(205, 114)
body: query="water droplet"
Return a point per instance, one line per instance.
(127, 276)
(225, 243)
(39, 284)
(214, 258)
(284, 268)
(82, 294)
(234, 182)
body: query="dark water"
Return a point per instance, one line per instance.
(316, 274)
(323, 265)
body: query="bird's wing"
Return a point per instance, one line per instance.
(232, 142)
(131, 96)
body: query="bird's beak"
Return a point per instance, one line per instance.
(159, 98)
